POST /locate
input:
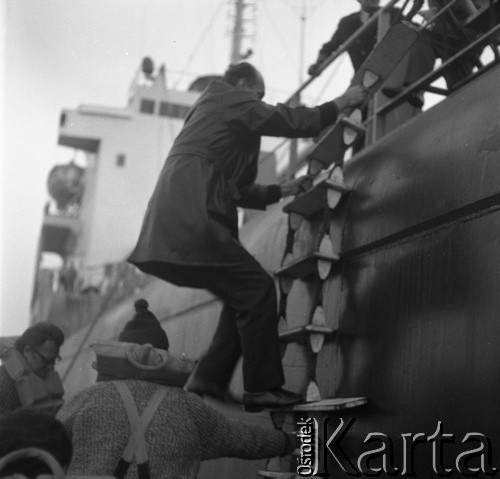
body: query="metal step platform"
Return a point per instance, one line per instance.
(322, 407)
(319, 408)
(325, 405)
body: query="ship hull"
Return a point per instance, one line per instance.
(414, 300)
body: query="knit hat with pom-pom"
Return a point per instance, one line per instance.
(144, 328)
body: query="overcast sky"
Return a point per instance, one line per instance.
(58, 54)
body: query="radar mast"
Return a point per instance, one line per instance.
(243, 27)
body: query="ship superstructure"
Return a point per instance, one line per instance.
(94, 216)
(124, 150)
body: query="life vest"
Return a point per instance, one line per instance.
(136, 446)
(33, 391)
(121, 360)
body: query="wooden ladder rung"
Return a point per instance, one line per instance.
(313, 200)
(300, 334)
(306, 265)
(341, 188)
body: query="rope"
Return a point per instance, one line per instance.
(201, 40)
(106, 302)
(283, 42)
(328, 82)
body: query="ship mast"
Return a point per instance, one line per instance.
(240, 29)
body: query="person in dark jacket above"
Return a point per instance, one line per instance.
(360, 49)
(362, 46)
(437, 41)
(189, 235)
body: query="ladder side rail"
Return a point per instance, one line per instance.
(343, 48)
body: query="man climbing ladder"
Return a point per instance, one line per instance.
(189, 236)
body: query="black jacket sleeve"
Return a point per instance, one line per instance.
(268, 120)
(280, 120)
(258, 196)
(339, 36)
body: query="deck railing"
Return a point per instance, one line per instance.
(490, 37)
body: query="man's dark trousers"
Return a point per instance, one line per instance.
(248, 323)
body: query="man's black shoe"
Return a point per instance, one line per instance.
(416, 99)
(276, 398)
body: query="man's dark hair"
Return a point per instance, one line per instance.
(37, 334)
(25, 428)
(239, 71)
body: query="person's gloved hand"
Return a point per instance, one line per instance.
(313, 70)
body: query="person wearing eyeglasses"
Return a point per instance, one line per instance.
(27, 376)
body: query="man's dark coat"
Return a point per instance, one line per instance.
(364, 44)
(192, 217)
(361, 47)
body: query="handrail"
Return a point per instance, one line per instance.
(433, 75)
(343, 47)
(440, 12)
(417, 85)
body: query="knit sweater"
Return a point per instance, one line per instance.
(183, 432)
(9, 399)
